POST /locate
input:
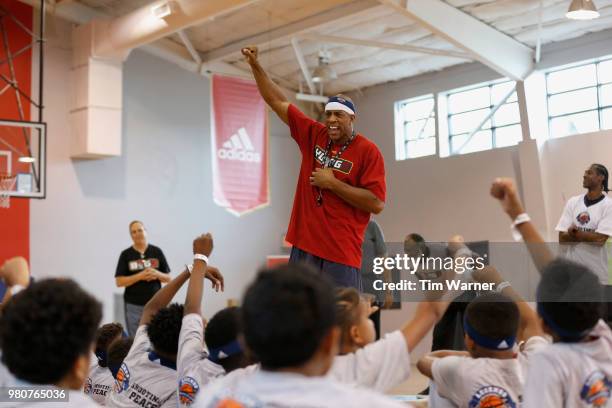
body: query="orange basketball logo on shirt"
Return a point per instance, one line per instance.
(188, 388)
(491, 396)
(229, 403)
(122, 381)
(596, 389)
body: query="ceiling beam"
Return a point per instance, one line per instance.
(484, 43)
(140, 27)
(303, 66)
(389, 46)
(291, 28)
(187, 42)
(311, 98)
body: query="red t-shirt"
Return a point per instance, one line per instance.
(333, 231)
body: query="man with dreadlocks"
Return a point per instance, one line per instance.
(586, 224)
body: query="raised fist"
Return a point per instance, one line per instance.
(504, 190)
(250, 52)
(203, 244)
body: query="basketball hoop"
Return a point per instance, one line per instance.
(7, 181)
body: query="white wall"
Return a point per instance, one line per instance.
(163, 178)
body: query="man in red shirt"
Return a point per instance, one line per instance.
(341, 182)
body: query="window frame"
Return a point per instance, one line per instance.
(599, 109)
(490, 85)
(401, 123)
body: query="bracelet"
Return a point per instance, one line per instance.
(200, 257)
(189, 267)
(520, 219)
(501, 286)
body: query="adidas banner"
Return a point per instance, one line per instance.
(239, 145)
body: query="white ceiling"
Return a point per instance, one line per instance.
(359, 66)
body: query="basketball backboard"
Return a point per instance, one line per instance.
(22, 154)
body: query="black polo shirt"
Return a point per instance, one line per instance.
(132, 262)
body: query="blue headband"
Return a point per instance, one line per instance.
(219, 353)
(339, 103)
(487, 342)
(102, 356)
(564, 335)
(153, 356)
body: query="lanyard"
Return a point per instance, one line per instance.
(327, 160)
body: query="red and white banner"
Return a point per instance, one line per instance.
(239, 145)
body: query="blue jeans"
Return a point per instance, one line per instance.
(340, 274)
(132, 317)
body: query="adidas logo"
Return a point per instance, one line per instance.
(239, 147)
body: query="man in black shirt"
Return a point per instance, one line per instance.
(141, 270)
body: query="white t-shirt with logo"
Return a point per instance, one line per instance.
(485, 382)
(381, 365)
(195, 370)
(594, 218)
(98, 383)
(142, 380)
(279, 390)
(572, 375)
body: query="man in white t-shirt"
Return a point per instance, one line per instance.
(288, 315)
(586, 223)
(47, 333)
(100, 380)
(147, 377)
(206, 355)
(495, 366)
(575, 371)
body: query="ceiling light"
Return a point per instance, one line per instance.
(165, 9)
(26, 159)
(323, 72)
(582, 10)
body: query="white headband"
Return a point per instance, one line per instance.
(337, 106)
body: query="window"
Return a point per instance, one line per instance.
(579, 98)
(469, 108)
(415, 127)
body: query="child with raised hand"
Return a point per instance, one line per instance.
(147, 376)
(385, 363)
(576, 370)
(494, 324)
(206, 353)
(288, 317)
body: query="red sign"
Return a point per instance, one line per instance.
(239, 145)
